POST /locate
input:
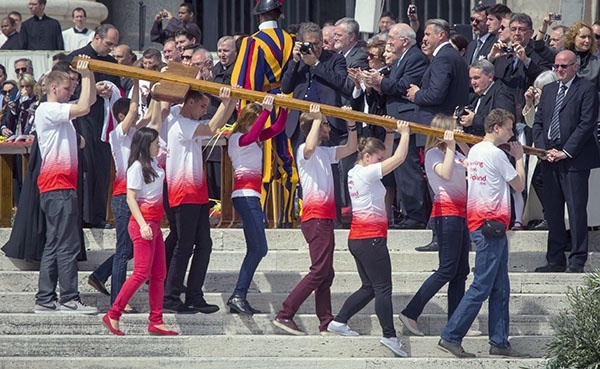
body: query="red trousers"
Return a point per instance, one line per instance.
(149, 263)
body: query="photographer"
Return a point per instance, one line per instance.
(487, 95)
(184, 21)
(316, 75)
(516, 62)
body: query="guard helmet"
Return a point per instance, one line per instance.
(264, 6)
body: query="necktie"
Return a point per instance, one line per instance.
(554, 132)
(477, 49)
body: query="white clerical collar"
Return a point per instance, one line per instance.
(437, 49)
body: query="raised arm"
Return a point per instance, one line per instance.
(445, 168)
(221, 116)
(277, 127)
(312, 139)
(132, 114)
(391, 163)
(350, 146)
(87, 97)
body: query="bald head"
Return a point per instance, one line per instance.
(566, 66)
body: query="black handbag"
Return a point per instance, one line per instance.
(493, 228)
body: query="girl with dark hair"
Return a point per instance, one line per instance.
(245, 151)
(367, 240)
(446, 174)
(144, 197)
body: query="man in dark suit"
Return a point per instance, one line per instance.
(487, 95)
(316, 76)
(445, 83)
(482, 43)
(408, 70)
(564, 125)
(9, 29)
(520, 67)
(346, 37)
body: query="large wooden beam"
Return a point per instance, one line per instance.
(290, 103)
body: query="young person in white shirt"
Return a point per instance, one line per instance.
(446, 172)
(144, 197)
(188, 197)
(490, 176)
(57, 183)
(318, 214)
(367, 240)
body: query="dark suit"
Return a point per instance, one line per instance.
(567, 179)
(411, 186)
(12, 42)
(445, 86)
(356, 58)
(498, 96)
(328, 77)
(483, 52)
(519, 79)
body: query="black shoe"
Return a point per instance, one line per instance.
(97, 285)
(541, 226)
(455, 349)
(102, 225)
(574, 269)
(507, 351)
(431, 246)
(550, 268)
(202, 306)
(239, 305)
(177, 307)
(409, 224)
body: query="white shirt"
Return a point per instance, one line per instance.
(316, 179)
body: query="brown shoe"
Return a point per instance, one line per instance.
(289, 326)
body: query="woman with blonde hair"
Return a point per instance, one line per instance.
(446, 175)
(579, 38)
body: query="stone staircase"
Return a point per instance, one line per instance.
(224, 340)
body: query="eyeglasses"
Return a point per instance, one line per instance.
(475, 20)
(18, 70)
(370, 55)
(519, 29)
(186, 57)
(563, 66)
(597, 36)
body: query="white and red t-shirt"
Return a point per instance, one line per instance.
(149, 196)
(247, 167)
(450, 197)
(120, 146)
(186, 181)
(369, 218)
(316, 179)
(488, 174)
(57, 140)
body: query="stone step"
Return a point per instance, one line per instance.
(527, 304)
(292, 239)
(244, 346)
(299, 261)
(233, 324)
(284, 282)
(266, 363)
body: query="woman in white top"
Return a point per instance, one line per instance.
(245, 151)
(144, 197)
(367, 240)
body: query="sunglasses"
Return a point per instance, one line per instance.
(370, 55)
(4, 92)
(475, 20)
(563, 66)
(17, 70)
(186, 57)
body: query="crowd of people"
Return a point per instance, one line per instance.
(505, 85)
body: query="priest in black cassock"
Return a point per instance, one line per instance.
(40, 32)
(97, 156)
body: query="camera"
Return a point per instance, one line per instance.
(412, 9)
(462, 110)
(556, 17)
(508, 49)
(306, 47)
(164, 15)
